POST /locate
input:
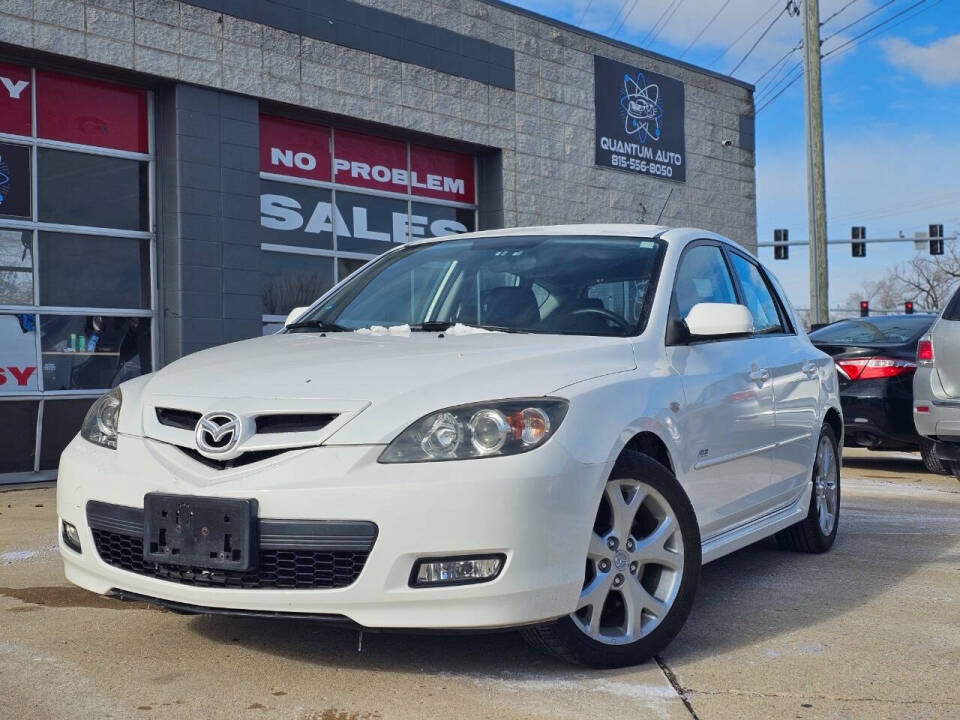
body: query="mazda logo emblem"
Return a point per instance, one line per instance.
(217, 433)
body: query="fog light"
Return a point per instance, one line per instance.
(456, 571)
(71, 537)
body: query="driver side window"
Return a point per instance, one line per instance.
(702, 277)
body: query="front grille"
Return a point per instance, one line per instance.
(294, 555)
(306, 422)
(278, 569)
(239, 461)
(183, 419)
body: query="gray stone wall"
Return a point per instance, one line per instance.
(544, 127)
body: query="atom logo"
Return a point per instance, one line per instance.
(4, 180)
(641, 108)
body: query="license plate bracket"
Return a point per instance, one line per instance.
(200, 532)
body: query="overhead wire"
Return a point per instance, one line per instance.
(665, 23)
(833, 15)
(783, 58)
(753, 47)
(748, 29)
(875, 27)
(584, 15)
(705, 28)
(858, 20)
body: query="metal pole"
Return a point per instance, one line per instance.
(816, 189)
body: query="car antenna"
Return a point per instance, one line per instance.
(664, 206)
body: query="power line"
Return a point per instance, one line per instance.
(832, 16)
(705, 28)
(665, 23)
(627, 14)
(585, 11)
(775, 83)
(786, 55)
(620, 9)
(877, 26)
(786, 9)
(657, 23)
(740, 37)
(859, 20)
(850, 43)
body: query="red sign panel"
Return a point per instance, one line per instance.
(370, 162)
(14, 99)
(441, 174)
(289, 147)
(91, 112)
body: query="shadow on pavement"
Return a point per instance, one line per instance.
(745, 598)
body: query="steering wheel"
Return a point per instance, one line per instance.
(613, 317)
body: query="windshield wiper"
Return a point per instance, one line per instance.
(321, 325)
(431, 326)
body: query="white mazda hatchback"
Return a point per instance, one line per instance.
(548, 427)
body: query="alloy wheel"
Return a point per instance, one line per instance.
(634, 564)
(825, 486)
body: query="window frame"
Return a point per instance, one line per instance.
(35, 142)
(676, 333)
(786, 325)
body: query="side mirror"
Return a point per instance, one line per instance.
(718, 320)
(294, 315)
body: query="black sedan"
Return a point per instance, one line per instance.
(876, 360)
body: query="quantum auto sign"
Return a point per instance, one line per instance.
(639, 120)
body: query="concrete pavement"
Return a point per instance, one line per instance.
(869, 630)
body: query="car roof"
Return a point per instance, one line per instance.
(673, 235)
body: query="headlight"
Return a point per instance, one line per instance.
(100, 424)
(501, 427)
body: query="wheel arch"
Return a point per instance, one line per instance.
(834, 419)
(651, 445)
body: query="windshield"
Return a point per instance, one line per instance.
(892, 330)
(541, 284)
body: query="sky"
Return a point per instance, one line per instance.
(891, 104)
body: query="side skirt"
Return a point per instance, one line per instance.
(732, 540)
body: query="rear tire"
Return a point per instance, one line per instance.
(930, 460)
(817, 531)
(641, 572)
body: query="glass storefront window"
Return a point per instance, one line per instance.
(18, 354)
(15, 180)
(61, 421)
(429, 220)
(76, 188)
(371, 224)
(16, 267)
(290, 280)
(299, 215)
(93, 351)
(348, 266)
(18, 440)
(94, 271)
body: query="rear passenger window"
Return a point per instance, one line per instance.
(702, 277)
(756, 296)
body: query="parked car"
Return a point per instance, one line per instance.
(547, 427)
(876, 361)
(936, 387)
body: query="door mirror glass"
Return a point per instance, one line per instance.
(294, 315)
(718, 319)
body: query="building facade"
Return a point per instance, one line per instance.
(176, 175)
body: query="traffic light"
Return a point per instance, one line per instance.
(858, 249)
(781, 252)
(908, 307)
(936, 239)
(864, 308)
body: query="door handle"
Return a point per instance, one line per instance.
(760, 376)
(809, 369)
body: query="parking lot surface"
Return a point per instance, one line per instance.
(869, 630)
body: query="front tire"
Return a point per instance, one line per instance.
(817, 531)
(641, 571)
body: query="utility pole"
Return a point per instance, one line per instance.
(816, 186)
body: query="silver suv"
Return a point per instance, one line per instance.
(936, 386)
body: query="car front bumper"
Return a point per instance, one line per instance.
(536, 508)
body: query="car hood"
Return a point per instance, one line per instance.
(379, 384)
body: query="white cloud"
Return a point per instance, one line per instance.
(937, 63)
